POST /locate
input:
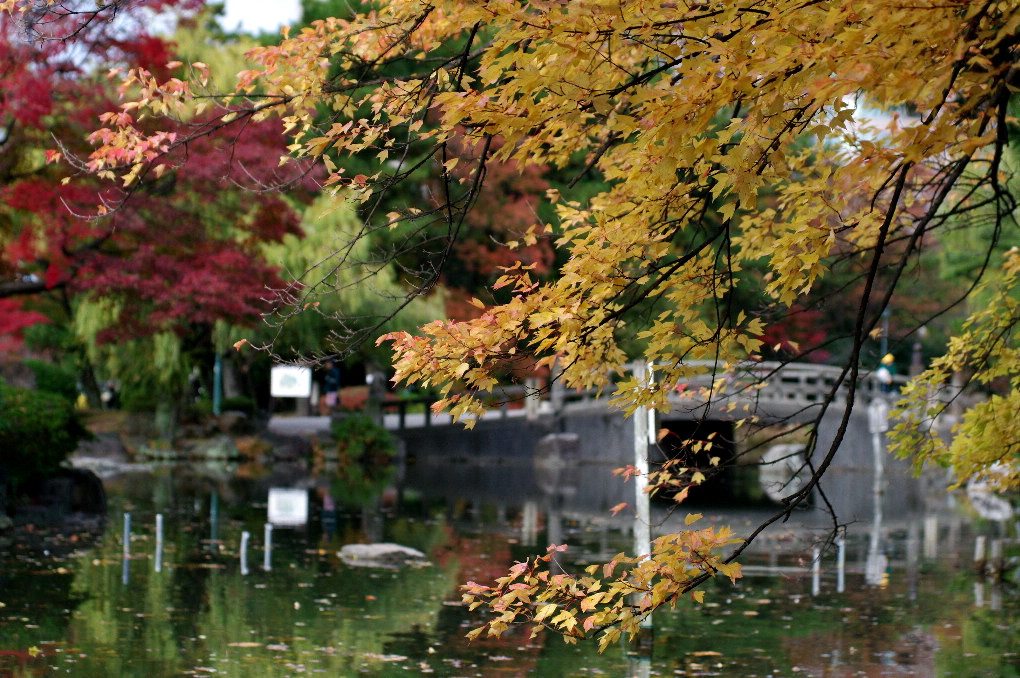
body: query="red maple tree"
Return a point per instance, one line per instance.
(184, 251)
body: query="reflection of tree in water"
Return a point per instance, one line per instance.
(939, 633)
(200, 608)
(187, 496)
(414, 642)
(189, 582)
(49, 602)
(365, 454)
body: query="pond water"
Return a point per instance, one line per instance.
(75, 601)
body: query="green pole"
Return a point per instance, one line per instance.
(214, 519)
(217, 389)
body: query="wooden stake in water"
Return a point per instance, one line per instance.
(124, 575)
(244, 551)
(267, 556)
(159, 542)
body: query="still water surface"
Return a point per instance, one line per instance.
(72, 604)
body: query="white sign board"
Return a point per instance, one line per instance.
(288, 506)
(290, 381)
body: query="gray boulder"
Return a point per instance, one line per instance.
(107, 446)
(385, 555)
(218, 447)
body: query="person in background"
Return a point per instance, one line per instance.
(330, 388)
(885, 373)
(110, 396)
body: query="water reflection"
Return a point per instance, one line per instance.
(205, 611)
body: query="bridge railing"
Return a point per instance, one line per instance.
(801, 384)
(807, 383)
(769, 382)
(504, 399)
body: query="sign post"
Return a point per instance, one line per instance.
(290, 381)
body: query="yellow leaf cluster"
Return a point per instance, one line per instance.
(985, 442)
(608, 600)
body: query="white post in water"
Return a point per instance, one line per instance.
(816, 571)
(644, 435)
(931, 537)
(124, 575)
(995, 559)
(979, 554)
(267, 556)
(878, 424)
(244, 551)
(642, 509)
(159, 542)
(840, 564)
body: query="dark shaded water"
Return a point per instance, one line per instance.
(73, 604)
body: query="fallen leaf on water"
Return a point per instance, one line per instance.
(385, 657)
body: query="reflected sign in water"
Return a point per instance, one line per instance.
(288, 507)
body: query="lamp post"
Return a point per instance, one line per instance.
(884, 345)
(217, 403)
(916, 365)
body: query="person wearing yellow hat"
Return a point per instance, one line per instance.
(885, 373)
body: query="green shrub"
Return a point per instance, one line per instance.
(53, 378)
(38, 430)
(238, 404)
(195, 411)
(138, 398)
(358, 437)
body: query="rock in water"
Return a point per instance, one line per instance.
(381, 555)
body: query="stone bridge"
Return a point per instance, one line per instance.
(563, 446)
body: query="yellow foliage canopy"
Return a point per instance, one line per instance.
(685, 108)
